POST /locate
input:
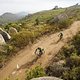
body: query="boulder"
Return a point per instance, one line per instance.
(62, 16)
(59, 17)
(46, 78)
(2, 41)
(5, 35)
(12, 30)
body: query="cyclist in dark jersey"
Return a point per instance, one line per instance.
(60, 36)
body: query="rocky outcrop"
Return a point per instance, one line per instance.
(5, 35)
(2, 41)
(46, 78)
(59, 17)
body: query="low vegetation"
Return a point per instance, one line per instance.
(70, 54)
(34, 73)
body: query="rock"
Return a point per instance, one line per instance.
(5, 35)
(12, 30)
(2, 41)
(60, 17)
(46, 78)
(61, 62)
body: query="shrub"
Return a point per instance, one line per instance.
(68, 50)
(55, 70)
(76, 43)
(15, 25)
(73, 74)
(5, 53)
(2, 59)
(64, 23)
(73, 61)
(34, 73)
(37, 21)
(21, 39)
(8, 49)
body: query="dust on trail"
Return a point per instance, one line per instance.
(27, 58)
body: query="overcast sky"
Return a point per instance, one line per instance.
(16, 6)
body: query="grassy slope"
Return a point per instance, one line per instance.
(73, 13)
(42, 16)
(27, 32)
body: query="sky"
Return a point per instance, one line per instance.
(32, 6)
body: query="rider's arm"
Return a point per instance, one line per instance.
(35, 51)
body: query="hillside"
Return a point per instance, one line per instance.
(9, 17)
(43, 16)
(37, 30)
(48, 17)
(26, 57)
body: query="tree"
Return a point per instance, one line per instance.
(56, 7)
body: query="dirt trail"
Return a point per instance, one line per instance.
(27, 54)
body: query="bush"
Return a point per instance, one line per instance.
(55, 70)
(21, 39)
(15, 25)
(37, 21)
(76, 43)
(34, 73)
(68, 50)
(64, 23)
(5, 54)
(73, 74)
(73, 61)
(2, 59)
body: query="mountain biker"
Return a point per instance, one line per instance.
(61, 36)
(39, 51)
